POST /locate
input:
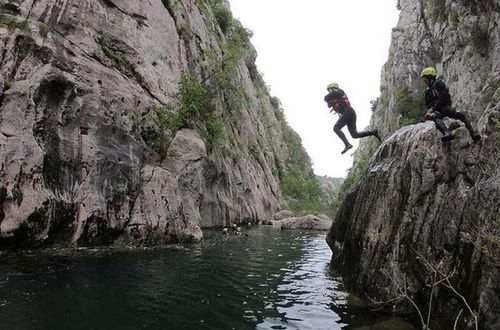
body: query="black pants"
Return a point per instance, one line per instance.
(348, 117)
(447, 111)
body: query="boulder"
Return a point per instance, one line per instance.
(283, 214)
(308, 222)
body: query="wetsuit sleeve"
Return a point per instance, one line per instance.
(329, 99)
(442, 95)
(428, 99)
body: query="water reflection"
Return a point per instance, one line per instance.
(305, 292)
(271, 279)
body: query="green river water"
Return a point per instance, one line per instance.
(265, 279)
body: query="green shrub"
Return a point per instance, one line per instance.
(167, 4)
(189, 99)
(7, 83)
(300, 187)
(43, 30)
(13, 24)
(453, 18)
(215, 131)
(224, 76)
(183, 112)
(224, 18)
(23, 26)
(185, 33)
(404, 121)
(410, 105)
(115, 55)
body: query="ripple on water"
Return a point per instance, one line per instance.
(271, 279)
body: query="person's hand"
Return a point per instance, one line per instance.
(428, 114)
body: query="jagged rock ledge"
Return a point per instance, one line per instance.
(423, 202)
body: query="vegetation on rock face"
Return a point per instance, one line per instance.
(116, 56)
(7, 83)
(197, 104)
(409, 105)
(300, 187)
(435, 10)
(183, 112)
(43, 30)
(223, 76)
(167, 4)
(355, 173)
(222, 14)
(12, 23)
(224, 17)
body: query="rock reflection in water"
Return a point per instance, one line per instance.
(271, 279)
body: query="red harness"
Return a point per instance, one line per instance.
(339, 100)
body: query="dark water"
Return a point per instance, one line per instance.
(271, 279)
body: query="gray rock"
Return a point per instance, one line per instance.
(308, 222)
(83, 161)
(421, 199)
(283, 214)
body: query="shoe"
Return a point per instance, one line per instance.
(375, 133)
(447, 137)
(476, 137)
(347, 147)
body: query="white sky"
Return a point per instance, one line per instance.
(303, 46)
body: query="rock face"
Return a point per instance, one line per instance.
(424, 210)
(101, 144)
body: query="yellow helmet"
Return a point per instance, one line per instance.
(332, 85)
(430, 71)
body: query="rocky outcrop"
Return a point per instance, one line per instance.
(283, 214)
(288, 220)
(131, 123)
(308, 222)
(424, 211)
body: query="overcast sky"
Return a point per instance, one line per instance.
(303, 46)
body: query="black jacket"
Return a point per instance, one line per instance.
(437, 96)
(337, 100)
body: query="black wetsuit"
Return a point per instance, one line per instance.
(437, 97)
(338, 101)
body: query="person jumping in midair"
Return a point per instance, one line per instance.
(438, 105)
(338, 101)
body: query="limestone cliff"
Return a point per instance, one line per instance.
(423, 211)
(132, 123)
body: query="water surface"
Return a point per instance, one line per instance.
(270, 279)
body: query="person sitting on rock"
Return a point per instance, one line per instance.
(338, 101)
(438, 105)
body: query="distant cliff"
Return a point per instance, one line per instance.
(421, 218)
(133, 123)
